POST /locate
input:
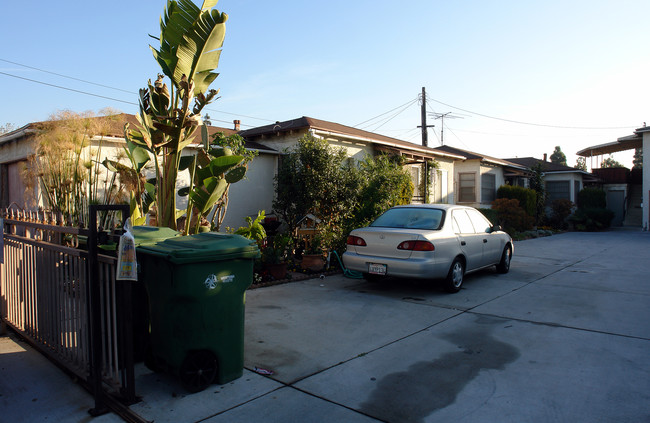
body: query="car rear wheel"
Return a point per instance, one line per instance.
(454, 280)
(506, 257)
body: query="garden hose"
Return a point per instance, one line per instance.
(348, 273)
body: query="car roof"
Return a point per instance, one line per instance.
(433, 206)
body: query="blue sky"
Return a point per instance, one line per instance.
(550, 65)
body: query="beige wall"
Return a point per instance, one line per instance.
(571, 177)
(252, 194)
(646, 181)
(477, 168)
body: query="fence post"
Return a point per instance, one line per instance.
(96, 307)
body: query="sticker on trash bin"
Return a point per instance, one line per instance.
(212, 281)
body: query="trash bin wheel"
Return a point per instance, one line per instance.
(198, 370)
(151, 361)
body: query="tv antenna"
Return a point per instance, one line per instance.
(442, 117)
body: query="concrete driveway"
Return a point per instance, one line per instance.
(564, 337)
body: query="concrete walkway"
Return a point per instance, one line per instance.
(563, 337)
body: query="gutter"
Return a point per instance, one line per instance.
(18, 133)
(316, 132)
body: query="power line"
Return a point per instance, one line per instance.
(69, 89)
(65, 76)
(393, 116)
(105, 86)
(529, 123)
(385, 113)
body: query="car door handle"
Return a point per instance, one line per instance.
(463, 243)
(484, 241)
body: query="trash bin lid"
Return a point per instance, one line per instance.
(151, 234)
(206, 246)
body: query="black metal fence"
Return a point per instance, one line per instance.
(61, 295)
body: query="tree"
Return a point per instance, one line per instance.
(384, 183)
(637, 161)
(581, 164)
(190, 45)
(610, 162)
(7, 127)
(315, 178)
(537, 184)
(558, 156)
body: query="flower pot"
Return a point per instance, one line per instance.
(277, 270)
(313, 262)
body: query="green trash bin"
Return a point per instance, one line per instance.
(197, 291)
(147, 235)
(144, 235)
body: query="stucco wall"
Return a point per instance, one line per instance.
(571, 177)
(646, 180)
(252, 194)
(442, 187)
(478, 169)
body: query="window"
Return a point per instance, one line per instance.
(466, 188)
(463, 224)
(557, 190)
(481, 224)
(410, 217)
(488, 188)
(415, 177)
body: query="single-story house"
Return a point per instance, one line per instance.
(17, 146)
(255, 192)
(562, 182)
(358, 143)
(476, 177)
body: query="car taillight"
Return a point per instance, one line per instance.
(357, 241)
(416, 246)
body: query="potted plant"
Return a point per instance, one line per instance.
(313, 258)
(275, 255)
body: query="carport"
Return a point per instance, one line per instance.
(640, 139)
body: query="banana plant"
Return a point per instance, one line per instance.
(142, 191)
(212, 170)
(190, 46)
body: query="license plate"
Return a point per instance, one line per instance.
(377, 269)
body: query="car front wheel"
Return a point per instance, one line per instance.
(504, 264)
(454, 280)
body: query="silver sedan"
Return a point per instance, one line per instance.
(428, 241)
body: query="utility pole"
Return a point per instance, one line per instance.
(425, 135)
(425, 141)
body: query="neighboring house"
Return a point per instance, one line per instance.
(477, 176)
(562, 182)
(358, 144)
(247, 197)
(638, 194)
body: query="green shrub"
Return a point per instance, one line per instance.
(490, 214)
(592, 219)
(527, 197)
(511, 216)
(561, 209)
(592, 198)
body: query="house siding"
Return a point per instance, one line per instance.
(646, 181)
(570, 179)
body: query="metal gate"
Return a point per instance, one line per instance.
(65, 301)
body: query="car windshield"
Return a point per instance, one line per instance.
(410, 218)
